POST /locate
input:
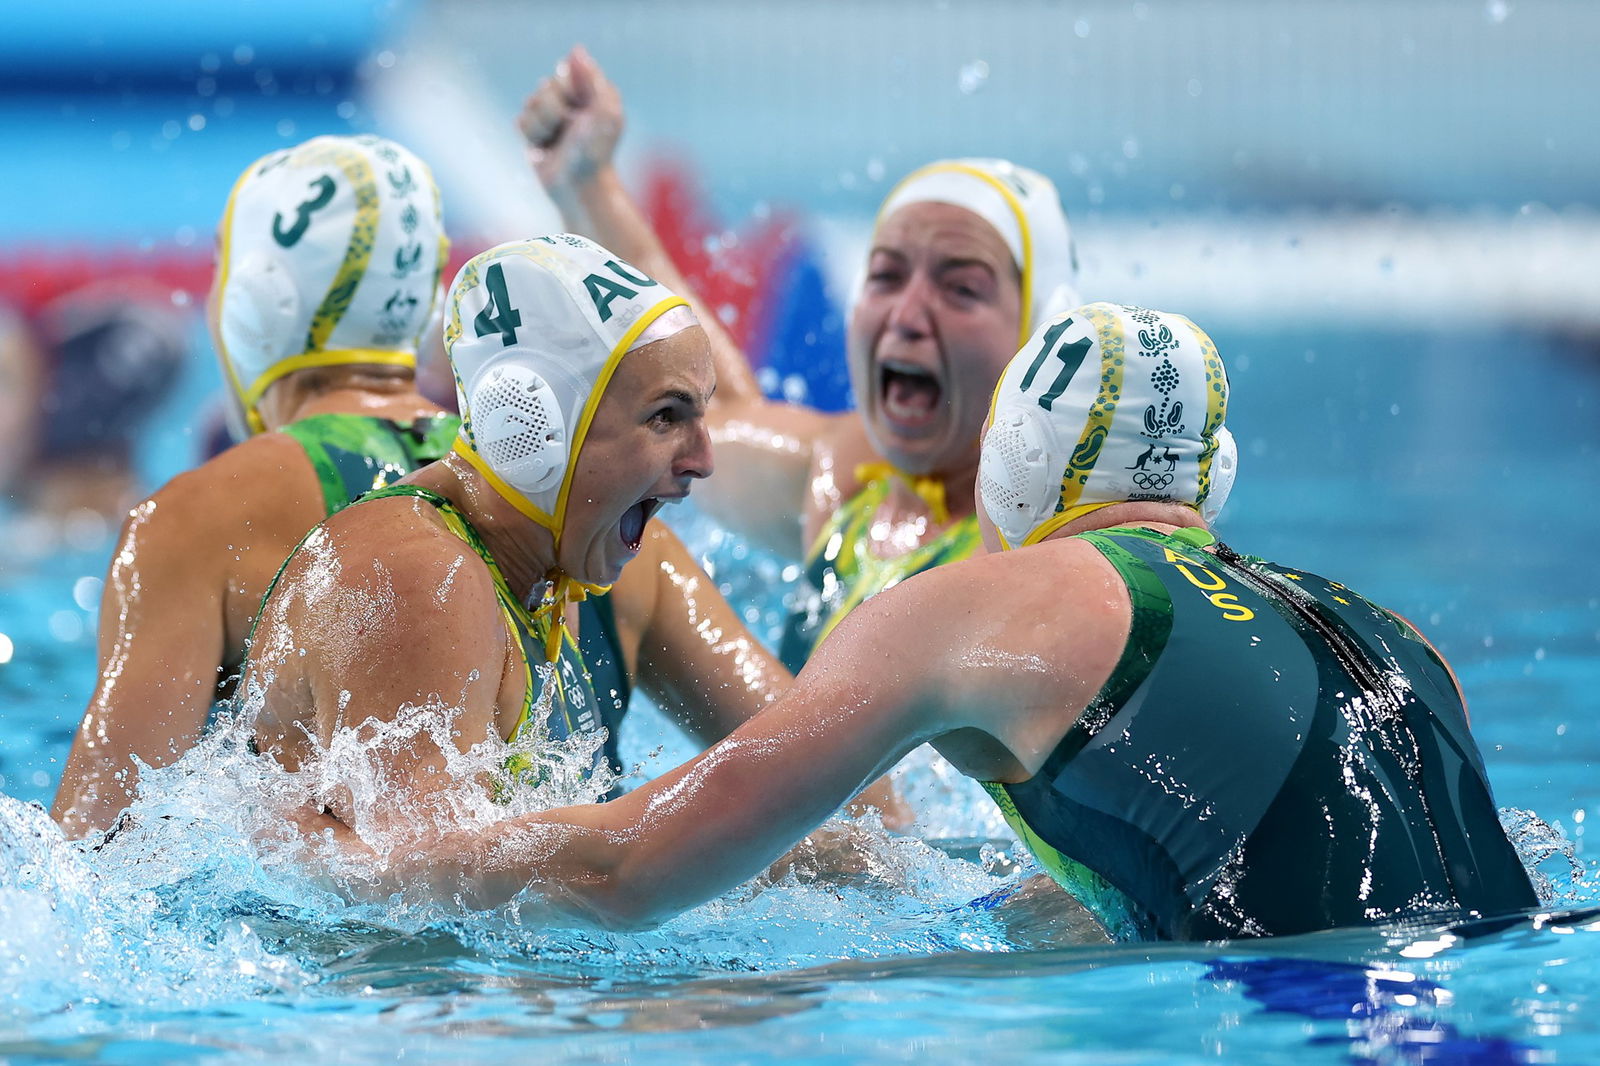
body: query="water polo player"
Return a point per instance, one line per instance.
(967, 257)
(583, 385)
(1197, 744)
(328, 264)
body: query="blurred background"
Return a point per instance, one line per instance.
(1385, 211)
(1393, 162)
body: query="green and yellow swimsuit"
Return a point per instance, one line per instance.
(1273, 754)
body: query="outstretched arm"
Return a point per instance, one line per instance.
(572, 123)
(162, 635)
(697, 659)
(896, 673)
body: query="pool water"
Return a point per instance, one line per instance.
(1443, 474)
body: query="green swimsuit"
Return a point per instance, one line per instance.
(843, 572)
(353, 454)
(1273, 754)
(356, 454)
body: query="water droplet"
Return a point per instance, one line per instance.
(243, 54)
(972, 76)
(1394, 409)
(346, 110)
(197, 122)
(1195, 87)
(7, 649)
(170, 129)
(66, 626)
(121, 141)
(179, 297)
(1130, 148)
(286, 127)
(1497, 10)
(385, 59)
(875, 169)
(1538, 655)
(86, 592)
(1081, 28)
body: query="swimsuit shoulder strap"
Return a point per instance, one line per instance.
(352, 454)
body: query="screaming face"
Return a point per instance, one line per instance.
(935, 323)
(647, 443)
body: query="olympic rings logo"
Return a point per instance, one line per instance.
(1152, 482)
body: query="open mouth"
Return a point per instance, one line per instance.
(634, 519)
(910, 395)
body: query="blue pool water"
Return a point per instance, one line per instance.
(1448, 475)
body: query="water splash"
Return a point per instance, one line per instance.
(1559, 877)
(74, 935)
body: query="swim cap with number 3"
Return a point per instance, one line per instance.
(330, 253)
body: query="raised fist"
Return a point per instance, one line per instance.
(572, 122)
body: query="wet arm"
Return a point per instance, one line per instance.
(696, 658)
(700, 663)
(406, 638)
(162, 636)
(866, 698)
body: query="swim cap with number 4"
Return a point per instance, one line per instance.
(535, 331)
(1105, 404)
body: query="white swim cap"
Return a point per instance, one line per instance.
(535, 330)
(1023, 207)
(1103, 405)
(330, 253)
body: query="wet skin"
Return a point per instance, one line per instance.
(943, 298)
(391, 609)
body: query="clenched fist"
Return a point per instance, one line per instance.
(572, 122)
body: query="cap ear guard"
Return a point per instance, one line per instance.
(260, 301)
(1014, 479)
(1224, 465)
(518, 427)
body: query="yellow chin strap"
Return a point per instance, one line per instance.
(1072, 514)
(1061, 518)
(251, 397)
(559, 591)
(560, 588)
(929, 489)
